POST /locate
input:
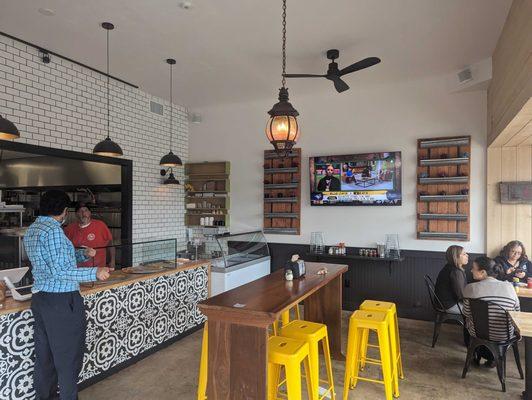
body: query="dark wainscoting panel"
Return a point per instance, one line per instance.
(368, 279)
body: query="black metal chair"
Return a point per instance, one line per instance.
(441, 315)
(479, 313)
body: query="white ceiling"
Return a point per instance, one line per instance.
(229, 50)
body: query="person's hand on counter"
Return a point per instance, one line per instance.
(102, 273)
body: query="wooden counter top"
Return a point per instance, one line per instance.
(266, 298)
(524, 292)
(523, 321)
(11, 305)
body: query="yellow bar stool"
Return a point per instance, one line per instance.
(313, 333)
(288, 353)
(285, 318)
(204, 359)
(377, 321)
(391, 311)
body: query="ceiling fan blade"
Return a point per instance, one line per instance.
(303, 76)
(365, 63)
(339, 84)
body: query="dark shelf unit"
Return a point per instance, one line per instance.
(282, 192)
(443, 188)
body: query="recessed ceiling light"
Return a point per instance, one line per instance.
(47, 11)
(185, 5)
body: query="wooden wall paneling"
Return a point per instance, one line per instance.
(511, 85)
(523, 228)
(508, 212)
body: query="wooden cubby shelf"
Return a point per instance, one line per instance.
(282, 192)
(208, 188)
(443, 188)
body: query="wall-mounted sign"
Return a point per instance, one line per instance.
(516, 192)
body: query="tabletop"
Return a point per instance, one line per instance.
(523, 321)
(270, 295)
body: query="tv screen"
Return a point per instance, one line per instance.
(371, 179)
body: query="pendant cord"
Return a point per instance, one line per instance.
(171, 106)
(108, 96)
(283, 81)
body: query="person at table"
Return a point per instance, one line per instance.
(452, 279)
(329, 183)
(514, 261)
(94, 233)
(57, 306)
(488, 287)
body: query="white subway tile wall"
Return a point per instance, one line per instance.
(63, 105)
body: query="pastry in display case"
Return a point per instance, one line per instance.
(241, 258)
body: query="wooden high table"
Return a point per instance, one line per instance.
(239, 320)
(523, 321)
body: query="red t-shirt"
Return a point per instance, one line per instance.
(96, 234)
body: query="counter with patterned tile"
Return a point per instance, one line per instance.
(126, 320)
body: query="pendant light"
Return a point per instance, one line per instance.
(8, 130)
(170, 159)
(107, 147)
(282, 129)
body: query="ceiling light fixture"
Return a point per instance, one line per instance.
(8, 130)
(107, 147)
(170, 159)
(46, 11)
(282, 128)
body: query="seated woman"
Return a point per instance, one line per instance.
(488, 288)
(514, 261)
(452, 279)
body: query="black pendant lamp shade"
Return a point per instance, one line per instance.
(170, 159)
(171, 180)
(107, 147)
(282, 129)
(8, 130)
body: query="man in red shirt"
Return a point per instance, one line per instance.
(88, 232)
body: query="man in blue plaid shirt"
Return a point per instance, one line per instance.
(57, 305)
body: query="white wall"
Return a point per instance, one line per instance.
(377, 118)
(63, 105)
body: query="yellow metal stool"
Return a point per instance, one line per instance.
(285, 318)
(289, 354)
(204, 359)
(313, 333)
(378, 321)
(391, 310)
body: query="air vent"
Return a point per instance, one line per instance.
(465, 75)
(156, 108)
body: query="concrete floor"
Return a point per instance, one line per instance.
(429, 373)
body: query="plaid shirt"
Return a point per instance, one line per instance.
(53, 258)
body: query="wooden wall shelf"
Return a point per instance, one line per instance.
(443, 188)
(210, 193)
(282, 177)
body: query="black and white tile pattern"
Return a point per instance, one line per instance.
(121, 323)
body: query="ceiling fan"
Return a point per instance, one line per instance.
(334, 74)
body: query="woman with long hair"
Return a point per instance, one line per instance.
(452, 279)
(514, 261)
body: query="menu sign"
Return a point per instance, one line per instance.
(516, 192)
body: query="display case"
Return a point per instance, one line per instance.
(241, 258)
(138, 257)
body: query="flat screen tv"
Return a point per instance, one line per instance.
(371, 179)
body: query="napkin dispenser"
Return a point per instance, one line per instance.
(297, 266)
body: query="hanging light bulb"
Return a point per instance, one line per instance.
(282, 129)
(107, 147)
(170, 159)
(8, 130)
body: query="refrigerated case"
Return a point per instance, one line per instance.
(243, 257)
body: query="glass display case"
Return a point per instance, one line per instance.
(241, 248)
(239, 258)
(141, 256)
